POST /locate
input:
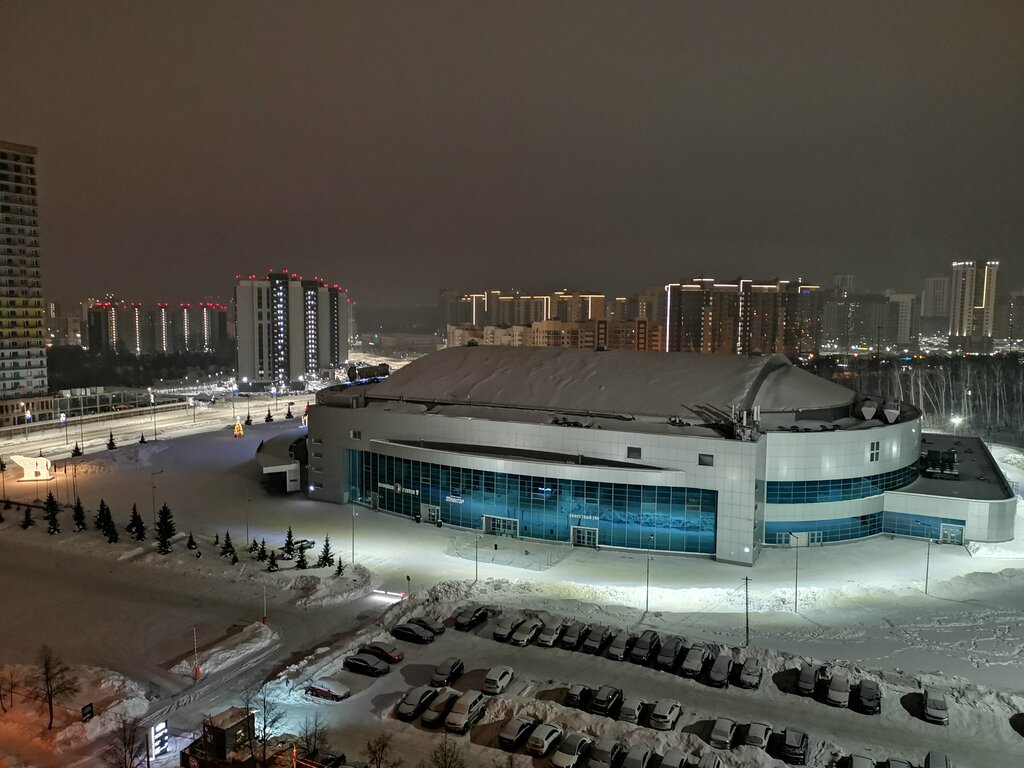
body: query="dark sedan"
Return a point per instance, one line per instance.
(412, 633)
(365, 664)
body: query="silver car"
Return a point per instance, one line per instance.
(607, 753)
(527, 632)
(935, 710)
(723, 734)
(631, 710)
(551, 634)
(758, 735)
(665, 714)
(838, 690)
(638, 756)
(676, 758)
(508, 624)
(619, 647)
(751, 673)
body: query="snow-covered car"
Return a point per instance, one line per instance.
(596, 638)
(543, 738)
(433, 626)
(859, 761)
(465, 712)
(383, 651)
(516, 731)
(577, 696)
(571, 750)
(470, 616)
(937, 760)
(497, 679)
(527, 632)
(894, 763)
(639, 756)
(869, 697)
(621, 645)
(325, 688)
(412, 633)
(935, 710)
(439, 708)
(710, 760)
(632, 709)
(721, 670)
(795, 746)
(646, 647)
(607, 698)
(508, 624)
(698, 655)
(838, 694)
(758, 735)
(607, 753)
(676, 757)
(723, 733)
(415, 700)
(670, 653)
(665, 714)
(551, 634)
(575, 635)
(365, 664)
(751, 673)
(447, 672)
(811, 675)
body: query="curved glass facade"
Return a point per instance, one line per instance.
(537, 507)
(819, 491)
(846, 528)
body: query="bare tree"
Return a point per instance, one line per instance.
(126, 744)
(447, 754)
(53, 680)
(312, 735)
(269, 717)
(379, 753)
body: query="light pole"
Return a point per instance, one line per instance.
(796, 577)
(152, 487)
(476, 576)
(955, 421)
(64, 421)
(354, 516)
(152, 408)
(746, 608)
(234, 396)
(273, 391)
(192, 404)
(647, 593)
(927, 556)
(28, 418)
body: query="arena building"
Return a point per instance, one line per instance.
(714, 455)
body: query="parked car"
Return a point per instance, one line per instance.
(632, 709)
(859, 761)
(572, 750)
(508, 624)
(810, 676)
(365, 664)
(607, 753)
(596, 639)
(710, 760)
(671, 650)
(497, 679)
(543, 738)
(439, 708)
(578, 696)
(751, 673)
(470, 617)
(516, 731)
(795, 746)
(412, 633)
(721, 670)
(447, 672)
(466, 711)
(758, 735)
(894, 763)
(325, 688)
(935, 706)
(665, 714)
(415, 700)
(431, 625)
(621, 645)
(646, 647)
(575, 635)
(676, 758)
(527, 632)
(838, 690)
(869, 697)
(383, 651)
(937, 760)
(723, 733)
(638, 756)
(698, 655)
(606, 700)
(551, 634)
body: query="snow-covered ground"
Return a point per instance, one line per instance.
(124, 608)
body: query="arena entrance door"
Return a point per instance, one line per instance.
(584, 537)
(951, 534)
(430, 512)
(501, 526)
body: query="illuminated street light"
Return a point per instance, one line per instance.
(955, 421)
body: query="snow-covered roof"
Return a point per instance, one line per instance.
(609, 382)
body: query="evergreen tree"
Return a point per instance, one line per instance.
(164, 530)
(78, 515)
(227, 548)
(288, 415)
(234, 558)
(112, 535)
(269, 417)
(326, 559)
(191, 543)
(136, 527)
(261, 553)
(27, 521)
(103, 520)
(253, 547)
(142, 439)
(50, 511)
(340, 570)
(272, 564)
(289, 545)
(216, 539)
(111, 445)
(301, 563)
(76, 451)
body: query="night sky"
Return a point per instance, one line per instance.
(401, 147)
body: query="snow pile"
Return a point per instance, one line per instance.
(250, 640)
(132, 455)
(113, 696)
(318, 591)
(994, 551)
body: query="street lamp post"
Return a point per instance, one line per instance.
(152, 408)
(234, 396)
(273, 391)
(476, 576)
(354, 516)
(28, 418)
(955, 421)
(647, 592)
(927, 556)
(152, 487)
(64, 421)
(796, 577)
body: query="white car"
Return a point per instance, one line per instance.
(608, 752)
(497, 679)
(723, 733)
(665, 714)
(551, 634)
(758, 735)
(465, 712)
(543, 738)
(638, 756)
(527, 632)
(838, 690)
(332, 690)
(508, 624)
(571, 750)
(631, 710)
(675, 758)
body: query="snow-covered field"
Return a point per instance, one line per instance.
(124, 608)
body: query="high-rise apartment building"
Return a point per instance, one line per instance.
(972, 305)
(935, 298)
(23, 381)
(288, 328)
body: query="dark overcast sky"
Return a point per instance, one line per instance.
(402, 147)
